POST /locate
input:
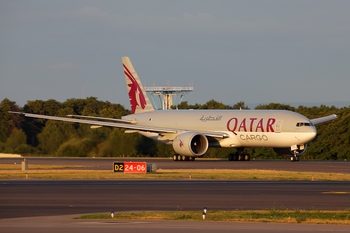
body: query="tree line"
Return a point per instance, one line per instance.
(31, 136)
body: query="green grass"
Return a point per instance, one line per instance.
(38, 166)
(217, 174)
(276, 216)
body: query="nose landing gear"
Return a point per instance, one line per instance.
(295, 157)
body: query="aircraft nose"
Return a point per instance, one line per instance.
(313, 133)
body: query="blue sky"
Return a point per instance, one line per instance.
(251, 51)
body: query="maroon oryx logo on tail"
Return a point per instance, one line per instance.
(134, 88)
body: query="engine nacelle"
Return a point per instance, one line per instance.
(190, 144)
(288, 151)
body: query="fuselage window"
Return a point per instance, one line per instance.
(300, 124)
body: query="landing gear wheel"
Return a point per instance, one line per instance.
(183, 158)
(235, 157)
(191, 158)
(240, 157)
(179, 157)
(295, 157)
(175, 157)
(247, 157)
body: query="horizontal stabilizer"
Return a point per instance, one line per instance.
(323, 119)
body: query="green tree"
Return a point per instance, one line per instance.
(73, 139)
(212, 104)
(74, 148)
(240, 105)
(119, 144)
(8, 121)
(53, 135)
(16, 138)
(275, 106)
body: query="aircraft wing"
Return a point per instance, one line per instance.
(323, 119)
(126, 124)
(102, 123)
(104, 118)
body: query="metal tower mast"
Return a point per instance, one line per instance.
(167, 92)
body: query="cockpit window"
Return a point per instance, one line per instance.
(300, 124)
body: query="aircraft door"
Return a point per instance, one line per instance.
(279, 126)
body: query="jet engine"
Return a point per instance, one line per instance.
(288, 151)
(190, 144)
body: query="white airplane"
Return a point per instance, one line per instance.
(192, 132)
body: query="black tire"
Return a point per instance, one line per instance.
(246, 157)
(240, 157)
(175, 157)
(235, 157)
(179, 157)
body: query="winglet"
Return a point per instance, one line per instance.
(138, 98)
(323, 119)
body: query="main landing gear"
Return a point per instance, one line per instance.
(239, 156)
(177, 157)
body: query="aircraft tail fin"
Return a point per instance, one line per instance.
(138, 98)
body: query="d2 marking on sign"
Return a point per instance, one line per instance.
(118, 167)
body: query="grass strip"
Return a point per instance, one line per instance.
(38, 166)
(271, 216)
(217, 174)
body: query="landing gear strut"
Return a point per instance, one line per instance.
(295, 157)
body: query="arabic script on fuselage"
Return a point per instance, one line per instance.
(210, 118)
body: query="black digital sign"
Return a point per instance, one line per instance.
(118, 167)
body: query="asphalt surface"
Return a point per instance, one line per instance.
(284, 165)
(35, 205)
(67, 224)
(25, 198)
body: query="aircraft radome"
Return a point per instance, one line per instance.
(192, 132)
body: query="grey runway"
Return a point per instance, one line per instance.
(25, 198)
(67, 224)
(44, 204)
